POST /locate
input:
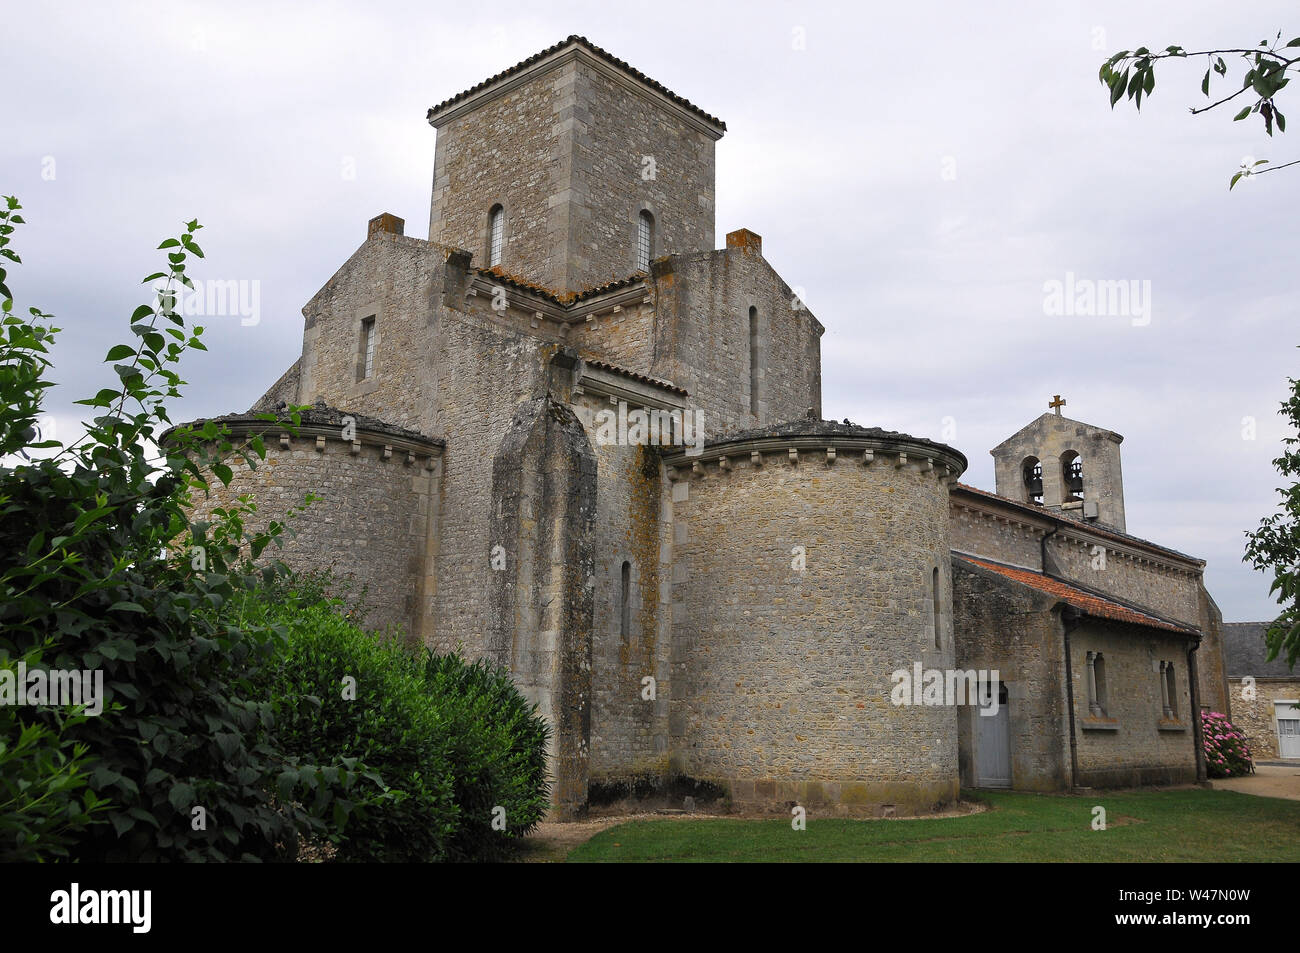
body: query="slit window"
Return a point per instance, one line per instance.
(367, 362)
(938, 611)
(624, 600)
(645, 240)
(496, 234)
(753, 360)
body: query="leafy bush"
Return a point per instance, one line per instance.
(1226, 752)
(498, 749)
(179, 752)
(338, 692)
(439, 743)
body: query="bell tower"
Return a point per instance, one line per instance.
(572, 169)
(1065, 466)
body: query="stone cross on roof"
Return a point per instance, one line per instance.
(1056, 403)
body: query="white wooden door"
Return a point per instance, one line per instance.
(1288, 730)
(993, 745)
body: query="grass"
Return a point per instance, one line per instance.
(1142, 826)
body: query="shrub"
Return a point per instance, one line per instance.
(176, 767)
(339, 693)
(498, 748)
(439, 743)
(1226, 752)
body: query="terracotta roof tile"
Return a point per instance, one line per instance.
(636, 376)
(1086, 602)
(603, 54)
(562, 298)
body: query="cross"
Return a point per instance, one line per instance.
(1056, 404)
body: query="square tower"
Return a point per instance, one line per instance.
(572, 169)
(1066, 466)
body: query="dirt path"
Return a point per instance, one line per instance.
(552, 840)
(1269, 780)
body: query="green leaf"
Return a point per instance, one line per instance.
(120, 352)
(181, 796)
(1117, 88)
(1205, 83)
(223, 473)
(1241, 115)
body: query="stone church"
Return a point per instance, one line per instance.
(567, 433)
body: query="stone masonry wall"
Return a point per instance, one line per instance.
(629, 732)
(1212, 657)
(702, 307)
(392, 278)
(1029, 656)
(617, 130)
(1254, 713)
(373, 526)
(1139, 746)
(1003, 540)
(513, 151)
(1169, 593)
(781, 677)
(489, 364)
(564, 153)
(626, 338)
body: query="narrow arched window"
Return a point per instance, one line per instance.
(938, 611)
(1103, 696)
(625, 601)
(496, 234)
(753, 360)
(645, 240)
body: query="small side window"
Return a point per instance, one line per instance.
(366, 351)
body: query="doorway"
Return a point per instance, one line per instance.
(993, 744)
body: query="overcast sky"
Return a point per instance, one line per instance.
(922, 171)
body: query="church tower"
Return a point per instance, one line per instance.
(1063, 465)
(572, 169)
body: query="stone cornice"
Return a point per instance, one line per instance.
(321, 434)
(840, 450)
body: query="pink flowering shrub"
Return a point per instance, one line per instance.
(1226, 753)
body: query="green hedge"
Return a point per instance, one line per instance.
(442, 743)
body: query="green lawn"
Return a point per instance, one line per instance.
(1183, 825)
